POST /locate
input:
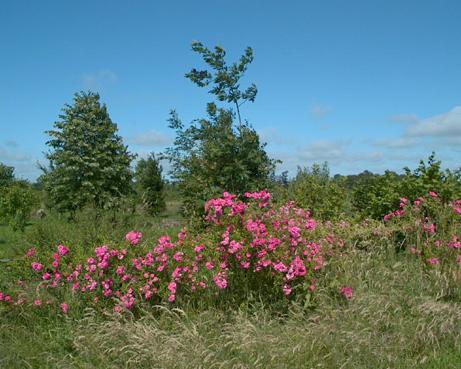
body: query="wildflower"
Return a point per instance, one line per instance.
(286, 289)
(433, 261)
(220, 280)
(429, 228)
(64, 307)
(346, 292)
(46, 276)
(36, 266)
(37, 302)
(172, 287)
(31, 252)
(62, 250)
(133, 237)
(433, 194)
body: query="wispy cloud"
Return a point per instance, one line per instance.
(443, 125)
(319, 111)
(150, 138)
(13, 156)
(11, 143)
(99, 80)
(404, 118)
(272, 135)
(397, 143)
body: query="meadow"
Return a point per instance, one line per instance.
(260, 284)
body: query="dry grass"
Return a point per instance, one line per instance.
(398, 318)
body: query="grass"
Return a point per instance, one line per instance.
(399, 317)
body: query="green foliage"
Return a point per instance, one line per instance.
(225, 78)
(16, 203)
(376, 195)
(213, 156)
(89, 164)
(150, 184)
(6, 175)
(430, 177)
(313, 189)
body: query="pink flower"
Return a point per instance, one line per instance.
(429, 228)
(198, 248)
(220, 280)
(171, 298)
(36, 266)
(31, 252)
(62, 250)
(433, 194)
(172, 287)
(133, 237)
(346, 292)
(209, 265)
(37, 302)
(433, 261)
(286, 289)
(46, 276)
(234, 247)
(64, 307)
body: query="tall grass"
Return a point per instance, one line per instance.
(399, 317)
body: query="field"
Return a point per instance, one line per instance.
(400, 315)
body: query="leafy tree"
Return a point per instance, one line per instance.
(376, 195)
(313, 189)
(224, 78)
(429, 176)
(6, 175)
(89, 164)
(17, 198)
(212, 155)
(150, 184)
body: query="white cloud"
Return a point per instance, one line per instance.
(443, 125)
(99, 80)
(150, 138)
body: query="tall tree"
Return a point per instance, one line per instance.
(225, 79)
(89, 164)
(213, 155)
(150, 184)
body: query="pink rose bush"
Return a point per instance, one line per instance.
(432, 230)
(247, 245)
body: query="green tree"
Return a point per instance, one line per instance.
(313, 189)
(17, 198)
(89, 164)
(212, 155)
(225, 79)
(6, 175)
(149, 183)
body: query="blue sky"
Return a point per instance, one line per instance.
(361, 84)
